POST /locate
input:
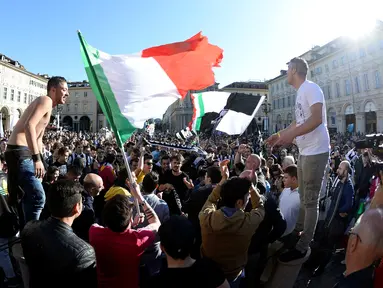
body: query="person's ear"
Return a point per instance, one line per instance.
(77, 209)
(239, 203)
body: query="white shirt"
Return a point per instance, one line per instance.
(317, 141)
(289, 204)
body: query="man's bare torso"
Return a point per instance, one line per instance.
(18, 134)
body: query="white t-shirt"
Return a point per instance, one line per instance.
(317, 141)
(289, 204)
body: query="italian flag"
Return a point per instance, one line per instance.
(134, 88)
(206, 102)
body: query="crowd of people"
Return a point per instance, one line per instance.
(230, 217)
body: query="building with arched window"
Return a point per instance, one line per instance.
(18, 88)
(349, 73)
(81, 112)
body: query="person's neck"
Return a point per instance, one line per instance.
(358, 264)
(344, 179)
(66, 220)
(173, 263)
(293, 187)
(298, 83)
(54, 103)
(176, 173)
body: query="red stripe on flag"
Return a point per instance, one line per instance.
(192, 97)
(188, 64)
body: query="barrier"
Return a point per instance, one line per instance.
(286, 273)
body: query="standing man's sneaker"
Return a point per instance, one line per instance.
(292, 255)
(12, 283)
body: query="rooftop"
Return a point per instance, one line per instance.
(17, 64)
(74, 84)
(248, 85)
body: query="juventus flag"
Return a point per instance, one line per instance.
(185, 134)
(236, 116)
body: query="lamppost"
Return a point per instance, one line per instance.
(266, 108)
(59, 109)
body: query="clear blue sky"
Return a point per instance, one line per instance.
(258, 37)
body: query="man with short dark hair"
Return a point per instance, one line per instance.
(175, 179)
(51, 260)
(152, 258)
(107, 172)
(62, 160)
(197, 199)
(227, 232)
(119, 243)
(309, 130)
(145, 166)
(289, 201)
(23, 155)
(164, 165)
(177, 237)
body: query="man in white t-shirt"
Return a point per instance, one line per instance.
(312, 138)
(289, 201)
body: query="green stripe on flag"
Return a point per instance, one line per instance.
(121, 126)
(201, 112)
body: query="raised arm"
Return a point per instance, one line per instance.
(141, 161)
(150, 214)
(211, 203)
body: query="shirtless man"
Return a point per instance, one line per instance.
(23, 154)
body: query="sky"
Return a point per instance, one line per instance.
(258, 37)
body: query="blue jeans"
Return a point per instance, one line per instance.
(5, 261)
(34, 198)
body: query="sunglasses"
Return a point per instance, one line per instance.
(149, 163)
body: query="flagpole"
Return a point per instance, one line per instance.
(117, 135)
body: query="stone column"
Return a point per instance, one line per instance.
(379, 120)
(360, 119)
(341, 123)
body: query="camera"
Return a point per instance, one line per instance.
(373, 141)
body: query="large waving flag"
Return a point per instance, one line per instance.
(238, 113)
(206, 102)
(133, 88)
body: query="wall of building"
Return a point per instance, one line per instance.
(18, 88)
(350, 74)
(81, 111)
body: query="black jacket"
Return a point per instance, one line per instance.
(271, 228)
(192, 207)
(56, 257)
(87, 218)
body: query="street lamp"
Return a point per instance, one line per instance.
(266, 108)
(59, 109)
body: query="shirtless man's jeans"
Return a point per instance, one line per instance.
(21, 174)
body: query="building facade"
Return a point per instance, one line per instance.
(18, 88)
(350, 75)
(81, 112)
